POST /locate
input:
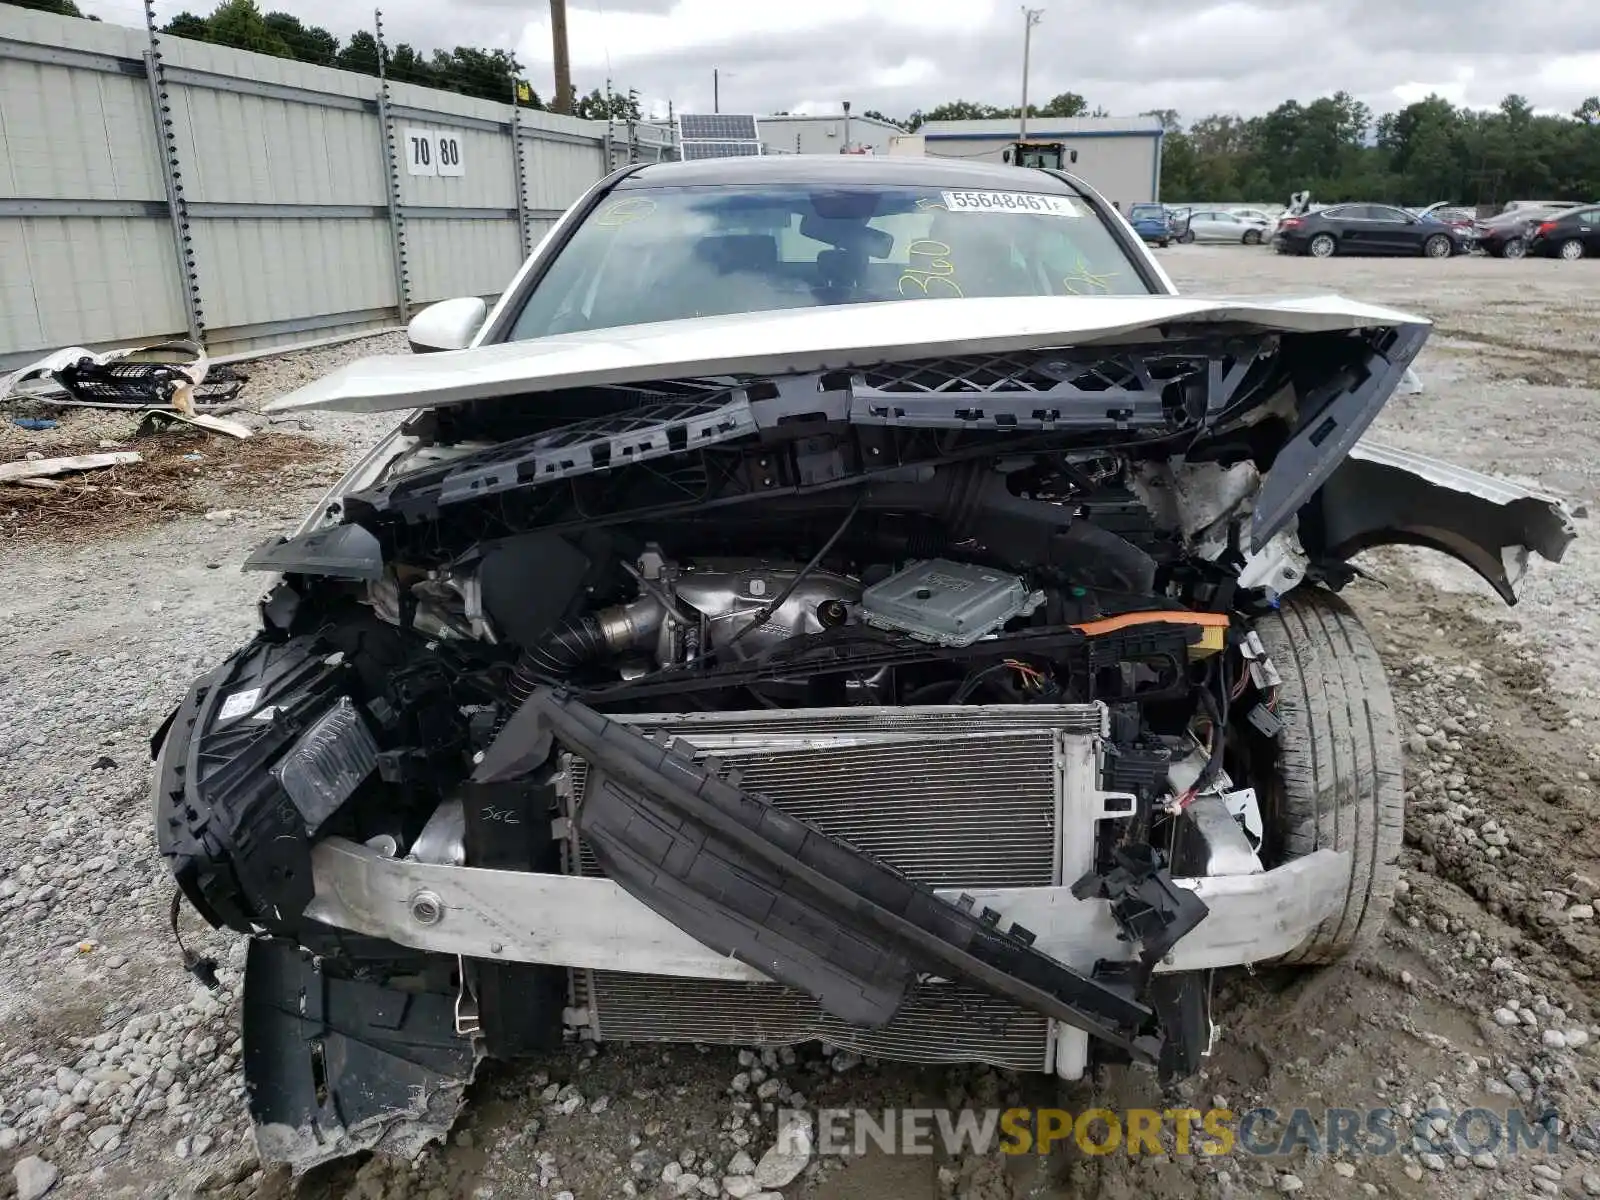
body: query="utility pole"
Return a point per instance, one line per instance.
(1030, 18)
(716, 91)
(563, 61)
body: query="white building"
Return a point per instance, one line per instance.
(1118, 156)
(825, 134)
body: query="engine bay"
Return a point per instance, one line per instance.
(1030, 580)
(751, 653)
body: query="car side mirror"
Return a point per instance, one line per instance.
(447, 325)
(1005, 156)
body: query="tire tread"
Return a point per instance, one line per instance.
(1340, 762)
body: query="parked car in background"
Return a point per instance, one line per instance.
(1506, 234)
(1368, 229)
(1516, 205)
(1217, 225)
(1443, 210)
(1300, 203)
(1463, 220)
(1569, 235)
(1462, 216)
(1149, 221)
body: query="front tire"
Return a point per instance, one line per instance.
(1186, 238)
(1570, 250)
(1514, 248)
(1322, 246)
(1252, 238)
(1438, 246)
(1337, 778)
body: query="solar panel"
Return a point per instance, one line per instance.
(717, 127)
(699, 150)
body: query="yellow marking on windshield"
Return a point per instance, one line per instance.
(626, 212)
(1092, 282)
(929, 270)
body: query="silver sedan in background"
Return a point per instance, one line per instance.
(1217, 225)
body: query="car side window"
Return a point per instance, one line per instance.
(1380, 213)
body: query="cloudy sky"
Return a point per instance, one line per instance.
(897, 55)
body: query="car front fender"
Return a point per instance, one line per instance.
(1380, 496)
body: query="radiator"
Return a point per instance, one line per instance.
(942, 1023)
(954, 797)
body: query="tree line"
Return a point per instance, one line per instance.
(468, 70)
(1430, 150)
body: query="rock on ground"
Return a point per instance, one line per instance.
(34, 1177)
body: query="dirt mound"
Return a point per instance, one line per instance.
(182, 472)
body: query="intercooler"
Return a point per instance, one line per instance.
(954, 797)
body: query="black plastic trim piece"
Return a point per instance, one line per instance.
(1149, 908)
(340, 552)
(1336, 414)
(234, 840)
(333, 1065)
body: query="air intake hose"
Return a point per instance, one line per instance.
(557, 655)
(575, 644)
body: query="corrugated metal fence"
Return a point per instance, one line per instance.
(301, 202)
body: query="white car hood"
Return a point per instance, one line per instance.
(837, 337)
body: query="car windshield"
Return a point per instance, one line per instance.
(661, 254)
(1141, 211)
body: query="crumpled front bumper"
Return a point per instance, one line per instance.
(591, 923)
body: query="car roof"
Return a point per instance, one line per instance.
(777, 169)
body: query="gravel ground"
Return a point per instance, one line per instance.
(118, 1076)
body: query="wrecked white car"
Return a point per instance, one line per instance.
(732, 646)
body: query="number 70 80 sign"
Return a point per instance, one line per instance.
(429, 152)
